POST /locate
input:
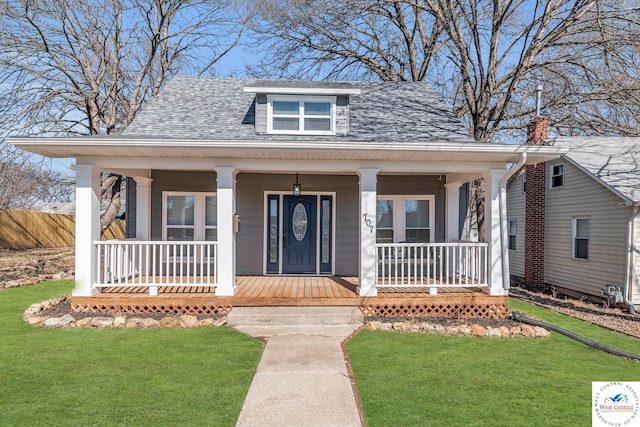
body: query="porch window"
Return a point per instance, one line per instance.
(292, 115)
(189, 216)
(402, 219)
(557, 176)
(581, 238)
(512, 226)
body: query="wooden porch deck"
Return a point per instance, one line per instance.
(297, 291)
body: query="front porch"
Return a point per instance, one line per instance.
(409, 301)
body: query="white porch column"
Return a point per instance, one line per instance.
(453, 210)
(368, 253)
(87, 229)
(143, 207)
(226, 236)
(493, 230)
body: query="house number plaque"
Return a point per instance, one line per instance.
(367, 222)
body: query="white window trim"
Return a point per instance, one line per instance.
(574, 229)
(300, 115)
(199, 220)
(515, 235)
(551, 175)
(399, 221)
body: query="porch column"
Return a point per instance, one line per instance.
(87, 229)
(453, 210)
(368, 252)
(143, 207)
(493, 230)
(226, 260)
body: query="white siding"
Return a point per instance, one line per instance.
(584, 197)
(516, 211)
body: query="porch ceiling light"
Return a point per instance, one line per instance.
(297, 188)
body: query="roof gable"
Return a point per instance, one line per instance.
(613, 161)
(221, 109)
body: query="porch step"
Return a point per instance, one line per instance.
(294, 316)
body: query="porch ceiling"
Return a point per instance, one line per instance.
(283, 150)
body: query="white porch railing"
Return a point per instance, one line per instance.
(433, 265)
(156, 263)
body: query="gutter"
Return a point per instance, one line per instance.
(502, 201)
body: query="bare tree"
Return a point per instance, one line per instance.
(484, 56)
(88, 66)
(26, 182)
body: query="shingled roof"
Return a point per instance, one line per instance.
(219, 109)
(615, 162)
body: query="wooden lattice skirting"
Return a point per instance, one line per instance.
(161, 307)
(442, 310)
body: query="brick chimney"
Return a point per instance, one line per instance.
(537, 131)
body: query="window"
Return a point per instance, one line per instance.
(513, 227)
(524, 182)
(557, 176)
(292, 115)
(581, 238)
(190, 216)
(407, 219)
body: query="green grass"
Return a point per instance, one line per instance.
(427, 380)
(109, 377)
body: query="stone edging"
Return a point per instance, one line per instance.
(33, 315)
(426, 327)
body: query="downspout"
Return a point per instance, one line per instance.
(502, 201)
(627, 275)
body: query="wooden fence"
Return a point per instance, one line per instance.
(27, 229)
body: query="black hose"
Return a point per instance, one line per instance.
(520, 318)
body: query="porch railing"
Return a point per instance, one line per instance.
(156, 263)
(433, 265)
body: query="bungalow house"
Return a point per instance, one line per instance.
(241, 186)
(574, 222)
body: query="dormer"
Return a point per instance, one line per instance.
(302, 108)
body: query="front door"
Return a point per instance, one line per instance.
(299, 222)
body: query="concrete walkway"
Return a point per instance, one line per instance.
(302, 378)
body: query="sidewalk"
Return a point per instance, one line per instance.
(302, 379)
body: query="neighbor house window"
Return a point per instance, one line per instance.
(189, 216)
(292, 115)
(512, 225)
(581, 238)
(401, 219)
(557, 176)
(524, 182)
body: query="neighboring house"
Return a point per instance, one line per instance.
(280, 178)
(587, 232)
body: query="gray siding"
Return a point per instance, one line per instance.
(175, 181)
(583, 197)
(130, 212)
(516, 211)
(250, 206)
(342, 115)
(261, 113)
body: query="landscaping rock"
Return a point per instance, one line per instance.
(60, 322)
(169, 322)
(505, 332)
(84, 323)
(37, 320)
(189, 321)
(149, 323)
(220, 321)
(206, 322)
(102, 322)
(541, 332)
(528, 331)
(119, 321)
(133, 322)
(478, 331)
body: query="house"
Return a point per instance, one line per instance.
(574, 222)
(240, 180)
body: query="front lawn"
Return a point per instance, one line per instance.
(116, 376)
(427, 380)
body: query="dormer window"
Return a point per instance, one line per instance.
(296, 115)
